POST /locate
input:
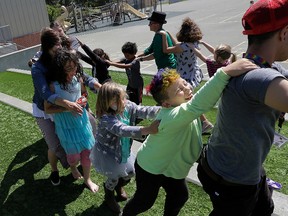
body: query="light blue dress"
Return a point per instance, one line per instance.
(74, 131)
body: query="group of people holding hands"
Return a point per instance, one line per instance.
(251, 91)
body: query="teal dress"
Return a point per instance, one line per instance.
(74, 131)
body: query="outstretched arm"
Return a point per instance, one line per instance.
(165, 48)
(208, 46)
(119, 65)
(198, 53)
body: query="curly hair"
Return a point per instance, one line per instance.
(161, 82)
(59, 73)
(130, 48)
(189, 32)
(100, 52)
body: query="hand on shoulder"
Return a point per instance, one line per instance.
(162, 32)
(239, 67)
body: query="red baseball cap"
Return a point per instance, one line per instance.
(265, 16)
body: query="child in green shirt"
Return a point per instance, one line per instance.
(165, 158)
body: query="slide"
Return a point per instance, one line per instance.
(130, 9)
(61, 19)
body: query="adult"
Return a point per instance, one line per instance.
(231, 167)
(59, 28)
(155, 50)
(50, 43)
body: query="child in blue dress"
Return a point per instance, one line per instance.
(111, 156)
(74, 130)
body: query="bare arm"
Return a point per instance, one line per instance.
(145, 58)
(277, 95)
(174, 40)
(62, 105)
(198, 53)
(208, 46)
(119, 65)
(174, 49)
(50, 108)
(239, 67)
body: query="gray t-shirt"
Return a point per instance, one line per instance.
(135, 79)
(244, 131)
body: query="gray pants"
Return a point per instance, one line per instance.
(47, 128)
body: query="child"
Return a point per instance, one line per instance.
(135, 84)
(187, 64)
(165, 158)
(111, 154)
(74, 131)
(222, 57)
(98, 60)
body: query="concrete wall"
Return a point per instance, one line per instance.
(18, 59)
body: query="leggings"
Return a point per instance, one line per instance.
(147, 189)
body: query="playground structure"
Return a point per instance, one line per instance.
(113, 13)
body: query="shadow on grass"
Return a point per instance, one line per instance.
(30, 196)
(101, 210)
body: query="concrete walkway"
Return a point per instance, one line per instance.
(280, 200)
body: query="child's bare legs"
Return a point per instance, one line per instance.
(75, 172)
(73, 160)
(86, 165)
(91, 185)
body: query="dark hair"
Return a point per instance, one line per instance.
(55, 23)
(130, 48)
(189, 32)
(259, 39)
(60, 60)
(65, 42)
(49, 38)
(100, 52)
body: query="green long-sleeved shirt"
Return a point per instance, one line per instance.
(177, 145)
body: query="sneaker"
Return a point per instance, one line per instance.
(206, 127)
(273, 184)
(54, 177)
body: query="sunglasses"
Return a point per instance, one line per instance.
(152, 23)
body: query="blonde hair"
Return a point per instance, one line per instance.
(224, 52)
(161, 82)
(108, 92)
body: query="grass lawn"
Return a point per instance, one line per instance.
(25, 189)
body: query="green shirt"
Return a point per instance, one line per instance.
(162, 59)
(178, 143)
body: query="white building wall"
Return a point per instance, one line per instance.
(23, 16)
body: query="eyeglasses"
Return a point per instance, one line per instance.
(70, 69)
(152, 23)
